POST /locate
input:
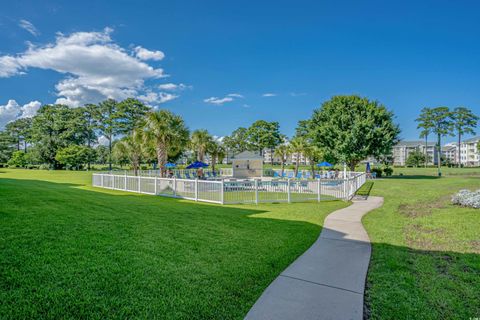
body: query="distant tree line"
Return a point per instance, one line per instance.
(441, 122)
(345, 129)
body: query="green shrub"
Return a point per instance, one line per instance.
(74, 156)
(17, 160)
(44, 166)
(378, 172)
(388, 171)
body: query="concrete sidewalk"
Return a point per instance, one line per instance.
(328, 280)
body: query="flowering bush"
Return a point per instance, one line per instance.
(467, 198)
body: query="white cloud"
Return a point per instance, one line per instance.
(269, 94)
(173, 86)
(102, 141)
(246, 105)
(297, 94)
(13, 111)
(218, 101)
(30, 109)
(27, 25)
(154, 98)
(95, 68)
(145, 54)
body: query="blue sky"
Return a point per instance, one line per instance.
(224, 56)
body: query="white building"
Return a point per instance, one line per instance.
(402, 150)
(450, 153)
(291, 159)
(469, 155)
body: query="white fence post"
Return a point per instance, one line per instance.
(155, 185)
(139, 185)
(318, 189)
(125, 185)
(345, 181)
(256, 191)
(174, 186)
(101, 179)
(288, 191)
(196, 189)
(222, 194)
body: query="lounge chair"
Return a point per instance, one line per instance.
(290, 175)
(275, 174)
(299, 175)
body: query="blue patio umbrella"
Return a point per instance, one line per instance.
(197, 164)
(368, 169)
(324, 164)
(170, 165)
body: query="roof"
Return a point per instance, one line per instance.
(247, 155)
(449, 148)
(414, 143)
(474, 139)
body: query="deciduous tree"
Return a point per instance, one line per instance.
(56, 127)
(351, 128)
(237, 141)
(74, 156)
(264, 135)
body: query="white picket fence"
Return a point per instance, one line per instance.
(230, 192)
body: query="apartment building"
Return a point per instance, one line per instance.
(291, 159)
(402, 150)
(450, 153)
(469, 155)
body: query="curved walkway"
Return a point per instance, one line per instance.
(328, 280)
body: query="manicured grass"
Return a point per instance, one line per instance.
(426, 252)
(68, 250)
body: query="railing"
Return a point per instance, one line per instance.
(179, 173)
(230, 192)
(307, 174)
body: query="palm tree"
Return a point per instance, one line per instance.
(297, 146)
(216, 151)
(313, 154)
(464, 122)
(131, 147)
(425, 123)
(168, 133)
(200, 141)
(282, 151)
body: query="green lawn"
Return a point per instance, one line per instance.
(68, 250)
(426, 252)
